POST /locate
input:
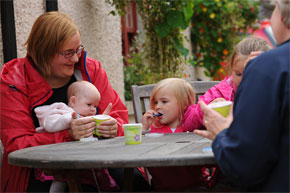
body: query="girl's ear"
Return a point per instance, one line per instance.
(72, 101)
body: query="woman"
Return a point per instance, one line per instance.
(55, 59)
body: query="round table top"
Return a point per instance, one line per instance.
(178, 149)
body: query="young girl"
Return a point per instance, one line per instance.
(226, 89)
(168, 102)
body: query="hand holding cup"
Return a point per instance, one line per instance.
(215, 119)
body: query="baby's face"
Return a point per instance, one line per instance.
(86, 104)
(237, 73)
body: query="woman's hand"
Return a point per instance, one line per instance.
(82, 127)
(147, 119)
(109, 128)
(213, 122)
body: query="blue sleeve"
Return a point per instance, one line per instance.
(250, 147)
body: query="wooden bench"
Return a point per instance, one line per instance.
(141, 95)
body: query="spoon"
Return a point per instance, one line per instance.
(158, 115)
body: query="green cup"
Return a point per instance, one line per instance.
(222, 107)
(98, 119)
(133, 133)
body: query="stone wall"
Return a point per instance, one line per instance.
(100, 32)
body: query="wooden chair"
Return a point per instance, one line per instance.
(141, 95)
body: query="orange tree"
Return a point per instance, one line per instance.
(217, 25)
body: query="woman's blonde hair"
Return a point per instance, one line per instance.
(284, 6)
(48, 34)
(244, 48)
(181, 89)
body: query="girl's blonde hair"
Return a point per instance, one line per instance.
(284, 6)
(244, 48)
(182, 91)
(48, 34)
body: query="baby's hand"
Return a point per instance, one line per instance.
(217, 100)
(147, 119)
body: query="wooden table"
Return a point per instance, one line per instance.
(179, 149)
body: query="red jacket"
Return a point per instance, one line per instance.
(22, 88)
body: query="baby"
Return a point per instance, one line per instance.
(83, 98)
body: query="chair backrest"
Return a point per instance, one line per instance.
(141, 95)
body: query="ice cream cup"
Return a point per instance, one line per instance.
(98, 119)
(133, 133)
(222, 107)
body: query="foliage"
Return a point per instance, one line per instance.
(164, 21)
(162, 54)
(215, 30)
(137, 73)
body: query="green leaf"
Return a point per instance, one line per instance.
(175, 19)
(162, 29)
(112, 13)
(192, 62)
(187, 12)
(184, 51)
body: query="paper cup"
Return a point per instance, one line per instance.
(98, 119)
(133, 133)
(222, 107)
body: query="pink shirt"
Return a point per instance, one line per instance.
(193, 116)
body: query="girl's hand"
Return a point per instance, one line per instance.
(213, 121)
(82, 127)
(147, 119)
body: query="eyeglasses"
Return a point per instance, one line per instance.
(70, 53)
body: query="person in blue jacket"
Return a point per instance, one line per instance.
(251, 145)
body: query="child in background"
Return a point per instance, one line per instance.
(246, 49)
(168, 102)
(83, 98)
(226, 89)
